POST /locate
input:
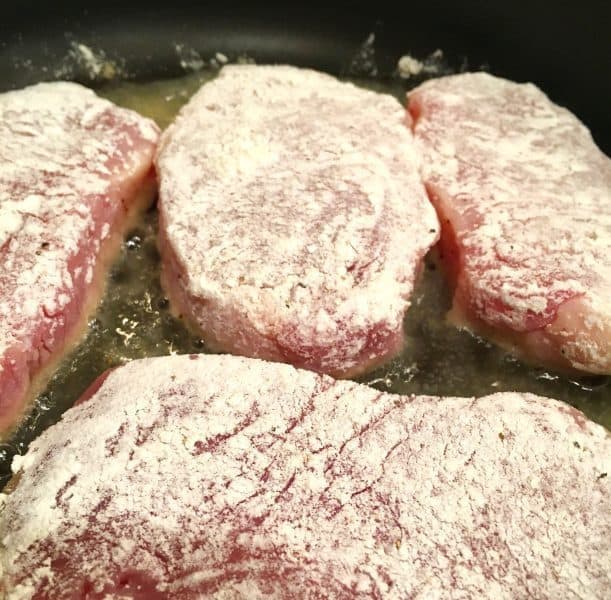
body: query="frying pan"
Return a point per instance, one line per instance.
(562, 47)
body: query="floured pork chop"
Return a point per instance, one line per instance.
(226, 477)
(292, 218)
(524, 197)
(73, 169)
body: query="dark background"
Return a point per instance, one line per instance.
(564, 47)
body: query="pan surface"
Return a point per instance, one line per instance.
(153, 57)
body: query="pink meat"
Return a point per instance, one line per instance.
(293, 220)
(71, 169)
(524, 196)
(226, 477)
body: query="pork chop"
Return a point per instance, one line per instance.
(524, 197)
(73, 169)
(292, 218)
(217, 476)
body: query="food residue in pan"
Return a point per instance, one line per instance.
(134, 320)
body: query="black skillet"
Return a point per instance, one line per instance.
(564, 47)
(561, 46)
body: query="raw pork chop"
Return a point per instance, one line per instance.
(227, 477)
(73, 168)
(293, 220)
(524, 196)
